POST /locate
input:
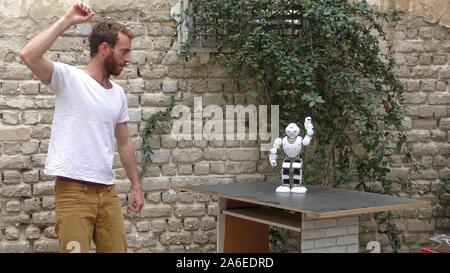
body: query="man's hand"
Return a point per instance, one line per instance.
(79, 13)
(136, 200)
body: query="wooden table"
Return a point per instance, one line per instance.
(246, 210)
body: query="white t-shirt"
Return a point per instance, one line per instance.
(82, 137)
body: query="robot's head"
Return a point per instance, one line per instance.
(292, 130)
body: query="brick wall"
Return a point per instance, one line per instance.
(169, 221)
(333, 235)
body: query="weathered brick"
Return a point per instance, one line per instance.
(313, 234)
(32, 205)
(44, 188)
(425, 123)
(43, 218)
(175, 238)
(425, 59)
(15, 134)
(421, 225)
(134, 115)
(38, 160)
(155, 183)
(158, 225)
(185, 197)
(200, 238)
(41, 132)
(160, 156)
(48, 202)
(138, 57)
(12, 118)
(12, 206)
(415, 98)
(190, 223)
(50, 232)
(15, 247)
(189, 210)
(30, 147)
(212, 209)
(12, 148)
(208, 223)
(174, 224)
(215, 154)
(183, 143)
(32, 233)
(169, 169)
(418, 135)
(326, 242)
(169, 197)
(240, 167)
(12, 177)
(217, 167)
(186, 155)
(10, 88)
(426, 111)
(21, 190)
(243, 154)
(336, 231)
(169, 86)
(184, 169)
(167, 141)
(439, 98)
(143, 226)
(153, 197)
(154, 211)
(15, 72)
(444, 148)
(46, 246)
(444, 123)
(201, 168)
(46, 117)
(155, 100)
(29, 88)
(202, 198)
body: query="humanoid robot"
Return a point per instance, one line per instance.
(292, 146)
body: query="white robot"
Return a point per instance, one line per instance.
(292, 146)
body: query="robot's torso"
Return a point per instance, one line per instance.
(294, 149)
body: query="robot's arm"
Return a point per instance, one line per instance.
(306, 140)
(273, 152)
(309, 131)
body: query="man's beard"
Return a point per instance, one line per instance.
(111, 66)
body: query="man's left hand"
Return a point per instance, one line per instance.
(136, 201)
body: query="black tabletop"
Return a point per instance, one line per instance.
(317, 202)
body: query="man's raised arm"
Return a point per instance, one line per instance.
(33, 52)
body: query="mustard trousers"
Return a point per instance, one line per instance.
(87, 212)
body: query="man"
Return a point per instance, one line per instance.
(90, 110)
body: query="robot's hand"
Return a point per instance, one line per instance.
(308, 126)
(273, 160)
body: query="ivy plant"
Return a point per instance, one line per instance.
(328, 59)
(322, 59)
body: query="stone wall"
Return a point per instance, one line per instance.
(169, 221)
(172, 221)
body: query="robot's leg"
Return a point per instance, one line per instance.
(297, 166)
(297, 188)
(285, 168)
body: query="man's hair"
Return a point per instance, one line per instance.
(107, 32)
